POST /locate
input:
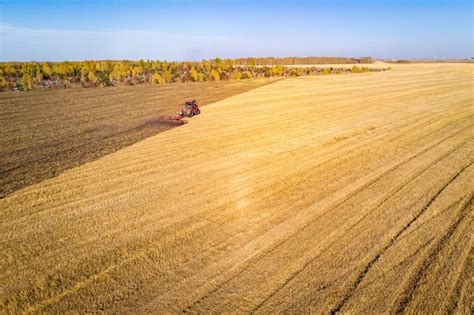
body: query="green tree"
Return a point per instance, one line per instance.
(26, 82)
(325, 71)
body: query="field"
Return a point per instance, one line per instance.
(47, 132)
(325, 194)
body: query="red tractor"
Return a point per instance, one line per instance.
(191, 108)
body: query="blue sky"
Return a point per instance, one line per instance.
(195, 30)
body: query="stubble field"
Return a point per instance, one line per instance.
(343, 193)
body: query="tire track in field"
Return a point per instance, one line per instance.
(466, 273)
(364, 186)
(392, 241)
(410, 291)
(387, 196)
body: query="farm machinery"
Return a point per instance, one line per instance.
(190, 108)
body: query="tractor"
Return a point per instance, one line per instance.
(191, 108)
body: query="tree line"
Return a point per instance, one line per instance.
(24, 76)
(301, 60)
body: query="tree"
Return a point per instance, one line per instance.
(47, 71)
(278, 71)
(356, 69)
(194, 74)
(325, 71)
(39, 76)
(59, 70)
(236, 75)
(215, 75)
(247, 75)
(167, 76)
(92, 77)
(3, 84)
(138, 70)
(26, 82)
(157, 79)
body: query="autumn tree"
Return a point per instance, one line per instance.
(236, 75)
(278, 71)
(194, 74)
(3, 83)
(47, 71)
(215, 75)
(356, 69)
(247, 75)
(26, 82)
(157, 79)
(92, 77)
(39, 76)
(251, 62)
(167, 76)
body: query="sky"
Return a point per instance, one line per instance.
(195, 30)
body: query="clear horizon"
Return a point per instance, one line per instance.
(192, 31)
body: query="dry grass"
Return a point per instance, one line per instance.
(44, 133)
(345, 193)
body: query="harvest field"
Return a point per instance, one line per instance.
(46, 132)
(350, 193)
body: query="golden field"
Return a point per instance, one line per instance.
(342, 193)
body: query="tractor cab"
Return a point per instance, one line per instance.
(191, 108)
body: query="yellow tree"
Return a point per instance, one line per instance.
(194, 74)
(215, 75)
(26, 82)
(47, 71)
(356, 69)
(236, 75)
(92, 77)
(3, 83)
(167, 76)
(157, 79)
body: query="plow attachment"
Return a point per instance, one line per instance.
(176, 120)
